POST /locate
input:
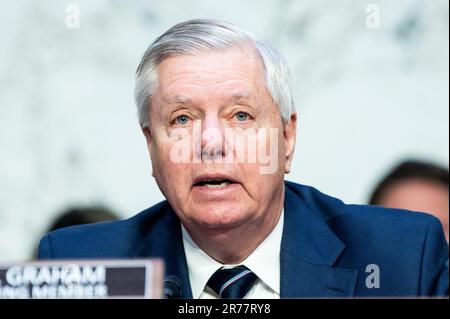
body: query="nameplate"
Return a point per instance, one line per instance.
(82, 279)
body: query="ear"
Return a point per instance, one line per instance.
(290, 131)
(148, 136)
(149, 139)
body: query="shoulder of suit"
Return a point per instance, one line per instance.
(114, 237)
(334, 211)
(147, 216)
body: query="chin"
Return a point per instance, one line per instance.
(218, 218)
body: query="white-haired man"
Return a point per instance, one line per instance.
(216, 109)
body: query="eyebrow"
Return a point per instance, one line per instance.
(183, 99)
(238, 96)
(177, 99)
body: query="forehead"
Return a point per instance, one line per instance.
(237, 70)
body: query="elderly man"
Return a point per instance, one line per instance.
(216, 109)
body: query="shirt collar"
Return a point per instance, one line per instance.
(264, 261)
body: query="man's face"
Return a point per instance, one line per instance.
(205, 103)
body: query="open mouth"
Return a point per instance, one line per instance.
(214, 182)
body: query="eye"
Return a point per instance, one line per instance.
(182, 120)
(241, 116)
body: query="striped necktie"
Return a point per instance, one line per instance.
(232, 282)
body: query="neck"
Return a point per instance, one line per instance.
(234, 245)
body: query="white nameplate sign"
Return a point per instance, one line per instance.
(82, 279)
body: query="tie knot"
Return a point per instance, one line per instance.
(232, 282)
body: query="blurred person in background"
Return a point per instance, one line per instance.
(79, 215)
(83, 215)
(417, 186)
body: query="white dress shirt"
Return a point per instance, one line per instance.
(264, 261)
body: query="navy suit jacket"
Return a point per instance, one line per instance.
(328, 248)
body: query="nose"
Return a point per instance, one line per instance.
(212, 141)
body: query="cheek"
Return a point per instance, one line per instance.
(257, 184)
(169, 175)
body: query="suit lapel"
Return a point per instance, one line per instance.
(165, 240)
(308, 251)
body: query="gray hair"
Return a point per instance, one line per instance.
(197, 36)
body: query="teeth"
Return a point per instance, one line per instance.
(221, 185)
